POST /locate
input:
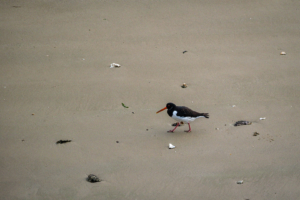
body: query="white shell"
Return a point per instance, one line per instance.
(240, 182)
(282, 53)
(112, 65)
(171, 146)
(262, 118)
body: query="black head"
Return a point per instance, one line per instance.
(170, 106)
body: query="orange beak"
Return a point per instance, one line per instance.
(161, 110)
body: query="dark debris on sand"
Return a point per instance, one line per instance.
(93, 178)
(180, 124)
(63, 141)
(242, 122)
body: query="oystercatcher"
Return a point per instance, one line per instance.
(182, 114)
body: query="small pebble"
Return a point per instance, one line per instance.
(117, 141)
(282, 53)
(132, 112)
(240, 182)
(184, 85)
(184, 52)
(262, 118)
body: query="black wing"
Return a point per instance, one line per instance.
(183, 111)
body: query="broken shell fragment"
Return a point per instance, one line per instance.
(240, 182)
(255, 134)
(184, 85)
(262, 118)
(240, 123)
(171, 146)
(112, 65)
(93, 178)
(282, 53)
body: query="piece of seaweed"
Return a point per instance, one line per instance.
(63, 141)
(124, 105)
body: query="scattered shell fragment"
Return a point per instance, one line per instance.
(240, 182)
(171, 146)
(93, 178)
(262, 118)
(184, 85)
(240, 123)
(255, 134)
(112, 65)
(282, 53)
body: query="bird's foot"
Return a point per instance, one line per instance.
(170, 131)
(188, 131)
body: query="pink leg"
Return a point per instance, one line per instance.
(171, 131)
(189, 129)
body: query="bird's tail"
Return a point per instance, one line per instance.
(206, 115)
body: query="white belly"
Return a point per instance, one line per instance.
(183, 119)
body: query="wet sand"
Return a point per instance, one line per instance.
(56, 84)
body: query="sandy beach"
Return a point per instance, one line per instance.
(56, 84)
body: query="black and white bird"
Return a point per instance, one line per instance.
(182, 114)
